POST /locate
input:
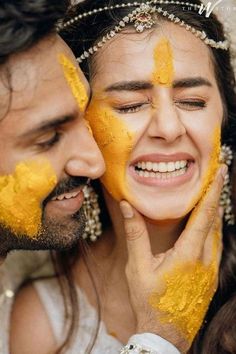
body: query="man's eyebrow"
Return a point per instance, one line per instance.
(191, 82)
(50, 124)
(129, 86)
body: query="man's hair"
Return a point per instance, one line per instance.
(24, 22)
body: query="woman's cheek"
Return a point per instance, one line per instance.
(212, 167)
(116, 142)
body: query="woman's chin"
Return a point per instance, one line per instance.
(160, 216)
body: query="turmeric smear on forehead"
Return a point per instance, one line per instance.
(21, 195)
(115, 141)
(72, 75)
(164, 68)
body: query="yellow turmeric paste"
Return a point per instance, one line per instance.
(189, 288)
(21, 195)
(211, 171)
(115, 141)
(164, 68)
(72, 75)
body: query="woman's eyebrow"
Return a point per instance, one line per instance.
(147, 85)
(129, 86)
(191, 82)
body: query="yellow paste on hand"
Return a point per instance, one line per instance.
(189, 290)
(164, 68)
(21, 195)
(72, 75)
(115, 141)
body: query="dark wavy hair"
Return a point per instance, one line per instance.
(218, 332)
(24, 22)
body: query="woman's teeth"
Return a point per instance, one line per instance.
(161, 169)
(66, 196)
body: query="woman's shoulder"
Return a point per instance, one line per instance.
(31, 330)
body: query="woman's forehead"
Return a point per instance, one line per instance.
(132, 54)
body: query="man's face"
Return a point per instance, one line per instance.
(46, 150)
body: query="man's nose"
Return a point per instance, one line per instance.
(85, 158)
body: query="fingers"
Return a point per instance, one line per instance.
(213, 246)
(138, 243)
(193, 238)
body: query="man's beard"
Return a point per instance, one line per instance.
(55, 234)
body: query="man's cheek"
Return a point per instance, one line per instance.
(21, 196)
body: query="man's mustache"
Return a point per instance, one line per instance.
(66, 186)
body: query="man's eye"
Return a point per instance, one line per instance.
(50, 142)
(191, 105)
(131, 108)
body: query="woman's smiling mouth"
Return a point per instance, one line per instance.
(163, 170)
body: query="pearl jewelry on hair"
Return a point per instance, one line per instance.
(142, 19)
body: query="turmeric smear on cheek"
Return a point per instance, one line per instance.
(164, 68)
(115, 141)
(211, 171)
(21, 195)
(72, 75)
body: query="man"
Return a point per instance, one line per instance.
(43, 137)
(41, 123)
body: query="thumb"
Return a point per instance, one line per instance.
(138, 243)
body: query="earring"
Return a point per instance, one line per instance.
(226, 157)
(93, 228)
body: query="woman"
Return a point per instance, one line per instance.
(162, 94)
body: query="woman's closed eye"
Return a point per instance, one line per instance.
(191, 104)
(131, 108)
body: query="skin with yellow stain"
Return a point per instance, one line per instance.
(189, 287)
(72, 75)
(164, 68)
(114, 138)
(21, 195)
(189, 290)
(116, 142)
(211, 171)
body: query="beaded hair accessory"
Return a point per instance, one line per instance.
(142, 18)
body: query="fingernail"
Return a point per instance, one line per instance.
(126, 210)
(223, 170)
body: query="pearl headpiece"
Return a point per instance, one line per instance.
(142, 18)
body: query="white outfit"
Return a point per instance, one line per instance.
(16, 268)
(50, 296)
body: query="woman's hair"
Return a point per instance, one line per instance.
(23, 23)
(217, 334)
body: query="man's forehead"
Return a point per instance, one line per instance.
(34, 73)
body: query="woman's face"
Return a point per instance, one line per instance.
(156, 114)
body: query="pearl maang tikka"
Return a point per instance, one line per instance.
(142, 18)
